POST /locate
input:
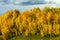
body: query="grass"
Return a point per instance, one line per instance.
(35, 37)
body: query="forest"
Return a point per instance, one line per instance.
(30, 22)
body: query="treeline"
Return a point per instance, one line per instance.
(30, 22)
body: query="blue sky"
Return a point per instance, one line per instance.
(28, 1)
(21, 3)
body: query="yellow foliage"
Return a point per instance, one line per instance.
(32, 21)
(26, 32)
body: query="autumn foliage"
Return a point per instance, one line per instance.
(31, 22)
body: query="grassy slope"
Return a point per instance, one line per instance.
(34, 37)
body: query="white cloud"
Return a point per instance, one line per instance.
(47, 0)
(57, 1)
